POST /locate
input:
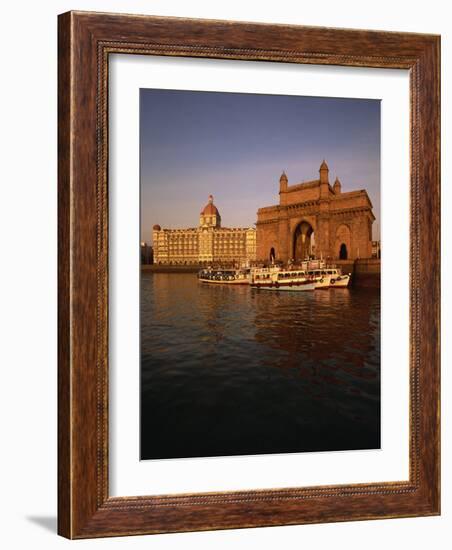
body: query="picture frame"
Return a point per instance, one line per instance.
(85, 508)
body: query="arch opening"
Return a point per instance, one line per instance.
(343, 252)
(272, 255)
(303, 242)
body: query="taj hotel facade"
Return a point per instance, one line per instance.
(206, 244)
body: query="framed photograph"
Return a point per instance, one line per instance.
(248, 275)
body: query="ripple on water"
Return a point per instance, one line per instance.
(229, 371)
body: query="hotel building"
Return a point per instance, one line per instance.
(209, 243)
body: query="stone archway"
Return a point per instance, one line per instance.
(302, 246)
(272, 255)
(342, 246)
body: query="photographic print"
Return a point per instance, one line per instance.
(260, 274)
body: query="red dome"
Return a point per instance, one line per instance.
(157, 227)
(210, 209)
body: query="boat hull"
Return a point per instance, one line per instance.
(328, 281)
(322, 282)
(339, 282)
(219, 282)
(304, 287)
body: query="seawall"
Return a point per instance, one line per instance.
(367, 273)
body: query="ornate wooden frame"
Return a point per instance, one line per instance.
(85, 42)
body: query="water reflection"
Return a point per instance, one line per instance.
(237, 371)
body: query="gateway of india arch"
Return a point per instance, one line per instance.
(314, 218)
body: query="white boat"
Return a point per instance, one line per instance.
(309, 275)
(299, 277)
(222, 276)
(323, 275)
(329, 277)
(280, 279)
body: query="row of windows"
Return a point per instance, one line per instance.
(234, 246)
(182, 241)
(194, 238)
(229, 238)
(227, 244)
(218, 233)
(163, 236)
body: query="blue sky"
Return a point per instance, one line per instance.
(235, 146)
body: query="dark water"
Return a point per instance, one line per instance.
(231, 371)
